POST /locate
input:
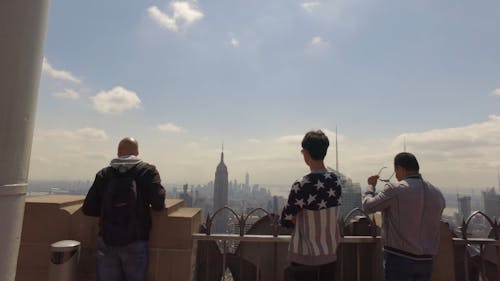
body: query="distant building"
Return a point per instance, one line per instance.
(275, 205)
(491, 203)
(188, 199)
(351, 194)
(220, 196)
(464, 207)
(351, 198)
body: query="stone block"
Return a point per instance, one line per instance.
(171, 265)
(48, 219)
(173, 205)
(174, 231)
(84, 229)
(33, 262)
(87, 265)
(45, 224)
(444, 263)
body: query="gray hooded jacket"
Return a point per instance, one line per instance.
(411, 216)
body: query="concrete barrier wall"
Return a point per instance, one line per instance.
(48, 219)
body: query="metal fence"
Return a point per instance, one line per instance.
(259, 253)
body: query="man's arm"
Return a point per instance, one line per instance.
(293, 206)
(156, 192)
(374, 202)
(92, 204)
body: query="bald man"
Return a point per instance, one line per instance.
(121, 196)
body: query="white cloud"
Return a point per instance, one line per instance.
(186, 11)
(290, 139)
(234, 42)
(474, 136)
(87, 133)
(193, 145)
(318, 41)
(310, 6)
(171, 128)
(254, 141)
(297, 139)
(162, 19)
(67, 94)
(317, 45)
(115, 100)
(59, 74)
(496, 92)
(331, 136)
(181, 13)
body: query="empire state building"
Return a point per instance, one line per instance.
(220, 195)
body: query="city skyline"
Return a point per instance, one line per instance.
(181, 76)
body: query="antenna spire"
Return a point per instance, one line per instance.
(336, 150)
(222, 153)
(498, 177)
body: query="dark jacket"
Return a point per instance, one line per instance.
(149, 191)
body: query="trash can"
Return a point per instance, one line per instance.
(64, 257)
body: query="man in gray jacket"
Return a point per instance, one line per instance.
(411, 214)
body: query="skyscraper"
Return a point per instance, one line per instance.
(220, 195)
(464, 207)
(188, 199)
(491, 203)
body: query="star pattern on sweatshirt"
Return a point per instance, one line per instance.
(338, 182)
(315, 191)
(305, 180)
(311, 199)
(300, 202)
(322, 204)
(319, 185)
(331, 193)
(296, 187)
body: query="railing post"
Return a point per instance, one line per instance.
(497, 246)
(275, 259)
(358, 266)
(481, 262)
(224, 261)
(341, 262)
(241, 263)
(206, 261)
(257, 275)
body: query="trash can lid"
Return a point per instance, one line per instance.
(64, 245)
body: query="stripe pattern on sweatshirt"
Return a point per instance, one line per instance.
(313, 205)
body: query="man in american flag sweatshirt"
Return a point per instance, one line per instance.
(313, 209)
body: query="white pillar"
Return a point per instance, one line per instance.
(22, 33)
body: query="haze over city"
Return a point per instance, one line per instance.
(183, 77)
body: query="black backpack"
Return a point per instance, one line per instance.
(119, 219)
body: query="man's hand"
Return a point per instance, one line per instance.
(372, 181)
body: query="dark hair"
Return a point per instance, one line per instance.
(407, 161)
(316, 143)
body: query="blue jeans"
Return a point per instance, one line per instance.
(122, 263)
(398, 268)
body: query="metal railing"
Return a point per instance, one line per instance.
(263, 256)
(481, 243)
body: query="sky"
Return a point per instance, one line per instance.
(183, 77)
